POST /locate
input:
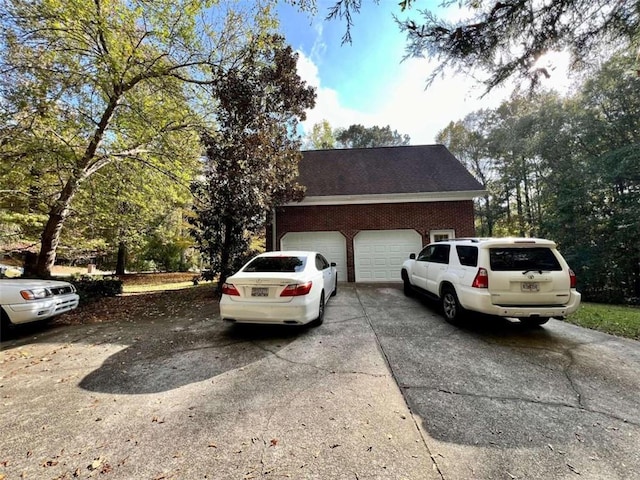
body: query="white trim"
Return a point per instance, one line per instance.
(450, 232)
(387, 198)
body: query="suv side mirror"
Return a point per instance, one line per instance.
(412, 256)
(333, 264)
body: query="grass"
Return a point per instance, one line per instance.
(138, 288)
(617, 320)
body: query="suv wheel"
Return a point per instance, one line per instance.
(407, 288)
(451, 307)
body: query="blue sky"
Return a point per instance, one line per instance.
(368, 82)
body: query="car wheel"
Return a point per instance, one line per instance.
(407, 288)
(318, 321)
(335, 288)
(5, 325)
(451, 307)
(534, 321)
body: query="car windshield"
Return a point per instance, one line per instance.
(276, 264)
(523, 259)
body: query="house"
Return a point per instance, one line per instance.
(368, 209)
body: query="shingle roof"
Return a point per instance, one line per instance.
(384, 170)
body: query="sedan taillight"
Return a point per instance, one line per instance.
(296, 289)
(482, 279)
(230, 289)
(573, 280)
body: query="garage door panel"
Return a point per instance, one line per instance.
(379, 254)
(332, 245)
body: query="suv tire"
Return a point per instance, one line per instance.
(451, 308)
(407, 288)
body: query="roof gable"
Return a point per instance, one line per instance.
(383, 171)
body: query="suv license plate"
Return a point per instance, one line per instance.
(259, 292)
(530, 287)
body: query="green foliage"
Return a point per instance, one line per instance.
(359, 136)
(92, 288)
(321, 137)
(252, 156)
(86, 85)
(506, 38)
(566, 169)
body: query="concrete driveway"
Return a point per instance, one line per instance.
(185, 396)
(496, 400)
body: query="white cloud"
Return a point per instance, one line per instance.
(407, 107)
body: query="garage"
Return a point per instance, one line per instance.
(379, 254)
(332, 245)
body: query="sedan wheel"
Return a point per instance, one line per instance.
(320, 319)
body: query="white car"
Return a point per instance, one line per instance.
(290, 287)
(26, 300)
(524, 278)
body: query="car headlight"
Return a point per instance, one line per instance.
(35, 293)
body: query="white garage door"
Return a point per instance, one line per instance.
(332, 245)
(379, 254)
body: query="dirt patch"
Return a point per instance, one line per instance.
(141, 306)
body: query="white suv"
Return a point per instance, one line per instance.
(525, 278)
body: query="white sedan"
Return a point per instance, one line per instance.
(289, 287)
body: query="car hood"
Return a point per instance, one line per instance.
(31, 283)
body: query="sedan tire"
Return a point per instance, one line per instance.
(318, 321)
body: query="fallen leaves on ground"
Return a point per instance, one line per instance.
(140, 306)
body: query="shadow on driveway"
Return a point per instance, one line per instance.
(178, 358)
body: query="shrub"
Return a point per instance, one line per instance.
(91, 288)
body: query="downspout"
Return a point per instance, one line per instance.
(274, 235)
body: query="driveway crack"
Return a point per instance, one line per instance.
(531, 401)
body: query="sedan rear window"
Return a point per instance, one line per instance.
(523, 259)
(276, 264)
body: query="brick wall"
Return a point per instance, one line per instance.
(350, 219)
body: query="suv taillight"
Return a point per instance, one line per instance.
(573, 280)
(482, 279)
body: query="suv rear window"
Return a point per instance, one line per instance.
(504, 259)
(276, 264)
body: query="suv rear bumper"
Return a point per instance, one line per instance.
(480, 301)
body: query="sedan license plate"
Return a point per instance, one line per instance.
(259, 292)
(530, 286)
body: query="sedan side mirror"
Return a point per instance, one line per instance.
(412, 256)
(333, 264)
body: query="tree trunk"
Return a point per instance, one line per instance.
(121, 264)
(52, 230)
(60, 210)
(225, 253)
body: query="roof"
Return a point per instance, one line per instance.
(384, 170)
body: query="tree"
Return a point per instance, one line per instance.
(252, 156)
(467, 140)
(92, 83)
(321, 136)
(506, 37)
(359, 136)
